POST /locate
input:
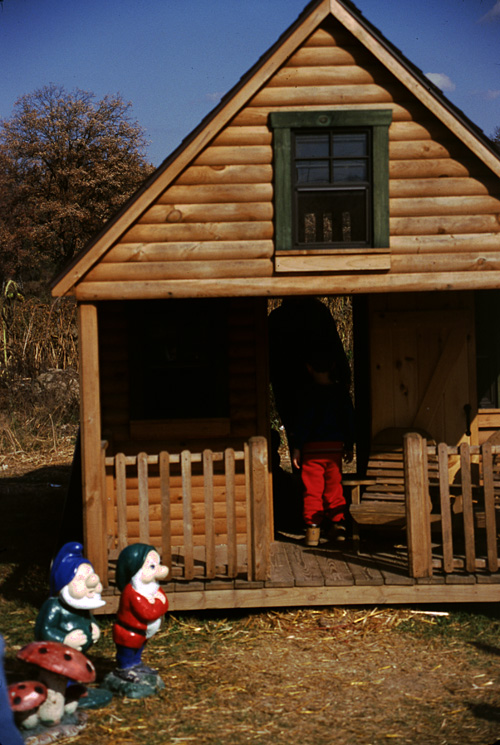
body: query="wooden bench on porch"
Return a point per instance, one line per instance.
(379, 499)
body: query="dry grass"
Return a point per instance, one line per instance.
(353, 677)
(39, 398)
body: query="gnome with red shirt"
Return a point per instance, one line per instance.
(142, 607)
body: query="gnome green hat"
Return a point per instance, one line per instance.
(130, 561)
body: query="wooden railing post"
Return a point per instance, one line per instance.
(258, 513)
(94, 499)
(418, 524)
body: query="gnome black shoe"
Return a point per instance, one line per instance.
(129, 674)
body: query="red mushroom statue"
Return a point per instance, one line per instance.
(25, 700)
(58, 663)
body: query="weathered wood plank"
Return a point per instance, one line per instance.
(440, 187)
(187, 515)
(142, 478)
(208, 489)
(317, 56)
(226, 174)
(444, 497)
(224, 231)
(363, 572)
(436, 244)
(158, 270)
(218, 193)
(329, 95)
(443, 205)
(256, 115)
(243, 136)
(121, 501)
(304, 566)
(281, 574)
(191, 251)
(418, 150)
(418, 525)
(210, 212)
(334, 569)
(166, 536)
(444, 224)
(235, 155)
(231, 513)
(436, 168)
(468, 511)
(94, 511)
(321, 75)
(329, 284)
(259, 497)
(416, 263)
(489, 508)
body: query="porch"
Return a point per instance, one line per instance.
(300, 576)
(442, 546)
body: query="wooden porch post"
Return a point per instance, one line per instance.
(418, 524)
(258, 510)
(94, 496)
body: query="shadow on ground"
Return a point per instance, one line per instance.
(32, 509)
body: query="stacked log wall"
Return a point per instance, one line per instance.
(216, 219)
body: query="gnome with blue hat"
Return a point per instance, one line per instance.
(75, 590)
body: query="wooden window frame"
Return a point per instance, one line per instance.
(288, 258)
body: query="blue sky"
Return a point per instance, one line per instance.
(173, 59)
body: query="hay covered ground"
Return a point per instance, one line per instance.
(332, 675)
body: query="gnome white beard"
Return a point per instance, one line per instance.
(84, 603)
(148, 590)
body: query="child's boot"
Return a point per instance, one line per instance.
(312, 535)
(338, 532)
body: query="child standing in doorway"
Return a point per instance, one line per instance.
(323, 437)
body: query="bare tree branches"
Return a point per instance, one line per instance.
(67, 162)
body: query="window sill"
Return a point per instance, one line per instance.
(344, 260)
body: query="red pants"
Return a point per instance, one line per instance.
(322, 480)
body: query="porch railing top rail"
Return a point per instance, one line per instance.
(153, 460)
(455, 449)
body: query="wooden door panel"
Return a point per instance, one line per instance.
(423, 367)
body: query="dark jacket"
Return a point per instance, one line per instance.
(325, 414)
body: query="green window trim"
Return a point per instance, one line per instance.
(284, 122)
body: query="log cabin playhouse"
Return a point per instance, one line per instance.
(334, 167)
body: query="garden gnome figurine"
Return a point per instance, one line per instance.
(142, 607)
(75, 590)
(66, 616)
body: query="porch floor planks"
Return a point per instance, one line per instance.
(335, 570)
(295, 565)
(323, 575)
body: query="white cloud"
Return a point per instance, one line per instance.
(214, 97)
(441, 80)
(488, 95)
(492, 15)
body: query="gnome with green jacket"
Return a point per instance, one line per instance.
(142, 607)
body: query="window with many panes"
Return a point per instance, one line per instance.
(331, 176)
(331, 180)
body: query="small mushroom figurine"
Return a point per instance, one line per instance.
(25, 701)
(58, 663)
